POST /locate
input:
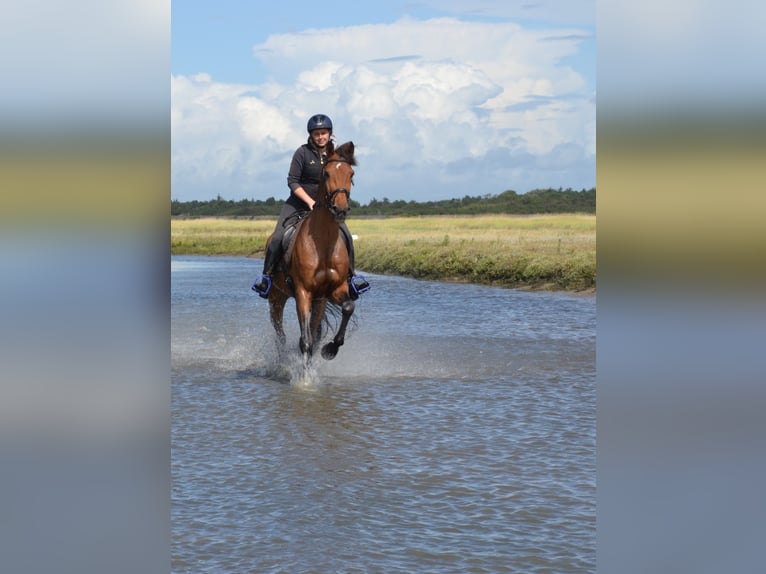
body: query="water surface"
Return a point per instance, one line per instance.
(454, 432)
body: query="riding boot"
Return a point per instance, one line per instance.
(357, 284)
(263, 284)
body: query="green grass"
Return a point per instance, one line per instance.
(214, 236)
(556, 252)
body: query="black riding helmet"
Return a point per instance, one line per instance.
(319, 121)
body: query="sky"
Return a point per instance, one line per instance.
(442, 99)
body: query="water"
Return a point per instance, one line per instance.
(454, 432)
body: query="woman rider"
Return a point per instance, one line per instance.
(303, 181)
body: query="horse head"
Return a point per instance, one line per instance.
(337, 180)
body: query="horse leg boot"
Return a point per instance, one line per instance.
(263, 284)
(357, 284)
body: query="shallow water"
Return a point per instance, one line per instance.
(454, 431)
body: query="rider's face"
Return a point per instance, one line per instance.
(320, 137)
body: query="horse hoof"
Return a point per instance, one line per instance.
(329, 351)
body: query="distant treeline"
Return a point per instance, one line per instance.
(535, 201)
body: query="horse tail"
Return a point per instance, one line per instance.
(333, 315)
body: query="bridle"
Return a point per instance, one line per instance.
(330, 196)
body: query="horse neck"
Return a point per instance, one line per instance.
(323, 225)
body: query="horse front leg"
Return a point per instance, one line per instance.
(318, 308)
(276, 313)
(303, 308)
(331, 349)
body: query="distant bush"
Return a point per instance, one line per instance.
(510, 202)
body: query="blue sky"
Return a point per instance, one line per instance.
(442, 99)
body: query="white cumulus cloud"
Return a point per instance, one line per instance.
(437, 108)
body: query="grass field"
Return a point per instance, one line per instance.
(556, 252)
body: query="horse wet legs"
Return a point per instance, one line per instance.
(303, 306)
(331, 349)
(318, 308)
(276, 312)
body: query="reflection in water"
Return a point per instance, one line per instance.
(454, 432)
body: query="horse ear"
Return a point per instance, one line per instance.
(347, 148)
(347, 151)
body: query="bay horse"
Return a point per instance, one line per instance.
(316, 265)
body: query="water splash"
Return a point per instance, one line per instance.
(303, 374)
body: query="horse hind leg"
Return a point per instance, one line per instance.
(331, 349)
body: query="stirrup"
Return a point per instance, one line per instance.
(263, 292)
(362, 287)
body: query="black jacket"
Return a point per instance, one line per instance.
(305, 171)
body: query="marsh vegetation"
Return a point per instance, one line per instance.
(550, 251)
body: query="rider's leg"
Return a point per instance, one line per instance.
(357, 283)
(273, 253)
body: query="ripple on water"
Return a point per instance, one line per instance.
(417, 449)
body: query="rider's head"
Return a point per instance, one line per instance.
(318, 122)
(320, 131)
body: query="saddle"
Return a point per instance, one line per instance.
(291, 225)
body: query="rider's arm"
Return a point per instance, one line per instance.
(294, 177)
(301, 193)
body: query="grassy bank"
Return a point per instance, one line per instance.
(539, 251)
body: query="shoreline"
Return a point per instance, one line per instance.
(542, 287)
(544, 253)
